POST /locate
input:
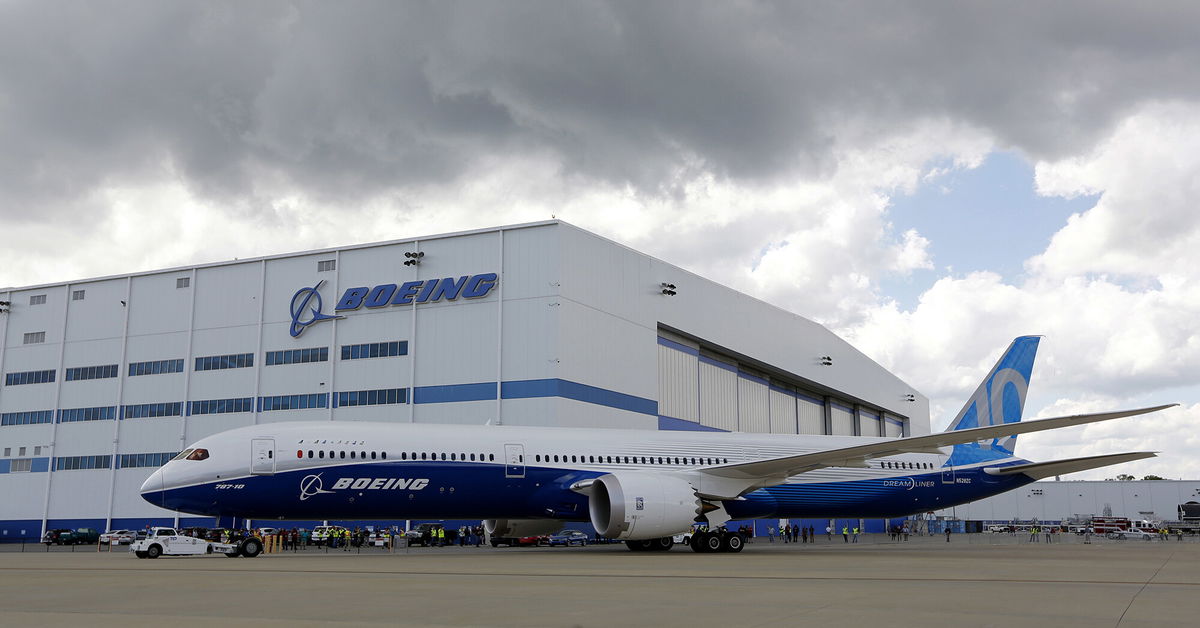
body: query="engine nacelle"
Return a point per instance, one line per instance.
(640, 506)
(515, 528)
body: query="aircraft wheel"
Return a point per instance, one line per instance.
(251, 547)
(663, 545)
(698, 544)
(712, 542)
(154, 551)
(733, 543)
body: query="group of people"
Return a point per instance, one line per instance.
(794, 534)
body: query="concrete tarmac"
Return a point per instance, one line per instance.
(975, 580)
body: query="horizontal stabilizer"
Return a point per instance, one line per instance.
(1039, 470)
(776, 470)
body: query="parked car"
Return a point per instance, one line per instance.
(80, 536)
(1133, 533)
(120, 537)
(55, 536)
(567, 538)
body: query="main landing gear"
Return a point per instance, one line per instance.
(717, 541)
(651, 545)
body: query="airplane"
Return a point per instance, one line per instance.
(638, 486)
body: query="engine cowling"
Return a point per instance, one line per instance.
(507, 528)
(639, 506)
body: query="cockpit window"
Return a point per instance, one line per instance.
(183, 454)
(197, 454)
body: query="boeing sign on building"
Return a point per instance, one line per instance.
(306, 303)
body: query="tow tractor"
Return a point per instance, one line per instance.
(168, 541)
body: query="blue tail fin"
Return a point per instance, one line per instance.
(999, 399)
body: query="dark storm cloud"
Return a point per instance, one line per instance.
(344, 101)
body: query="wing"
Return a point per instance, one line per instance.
(775, 470)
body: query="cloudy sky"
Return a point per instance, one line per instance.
(926, 179)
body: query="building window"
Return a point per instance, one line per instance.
(222, 406)
(21, 465)
(152, 410)
(34, 337)
(293, 402)
(74, 463)
(371, 397)
(298, 356)
(37, 299)
(29, 377)
(326, 265)
(77, 295)
(156, 367)
(7, 451)
(91, 372)
(32, 417)
(99, 413)
(219, 362)
(375, 350)
(183, 282)
(129, 461)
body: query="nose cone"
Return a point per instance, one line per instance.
(152, 488)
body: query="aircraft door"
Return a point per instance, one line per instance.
(947, 475)
(262, 456)
(514, 460)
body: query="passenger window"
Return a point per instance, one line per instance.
(343, 455)
(384, 454)
(452, 457)
(270, 453)
(310, 453)
(373, 455)
(352, 455)
(443, 455)
(473, 458)
(321, 454)
(422, 455)
(491, 457)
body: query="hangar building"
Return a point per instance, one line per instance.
(534, 324)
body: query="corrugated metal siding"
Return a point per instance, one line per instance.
(783, 413)
(754, 406)
(811, 416)
(678, 384)
(843, 421)
(718, 397)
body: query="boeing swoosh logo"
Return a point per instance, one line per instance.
(311, 485)
(306, 309)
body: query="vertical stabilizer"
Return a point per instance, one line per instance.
(1000, 398)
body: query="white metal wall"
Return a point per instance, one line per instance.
(841, 420)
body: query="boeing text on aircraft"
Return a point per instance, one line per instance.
(638, 486)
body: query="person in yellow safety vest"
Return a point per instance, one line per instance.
(855, 534)
(845, 534)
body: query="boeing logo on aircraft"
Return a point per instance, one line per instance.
(311, 485)
(384, 484)
(307, 301)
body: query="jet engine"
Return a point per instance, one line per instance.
(515, 528)
(640, 506)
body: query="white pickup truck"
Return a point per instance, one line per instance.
(168, 541)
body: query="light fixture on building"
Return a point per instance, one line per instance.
(414, 259)
(668, 289)
(4, 306)
(826, 360)
(910, 397)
